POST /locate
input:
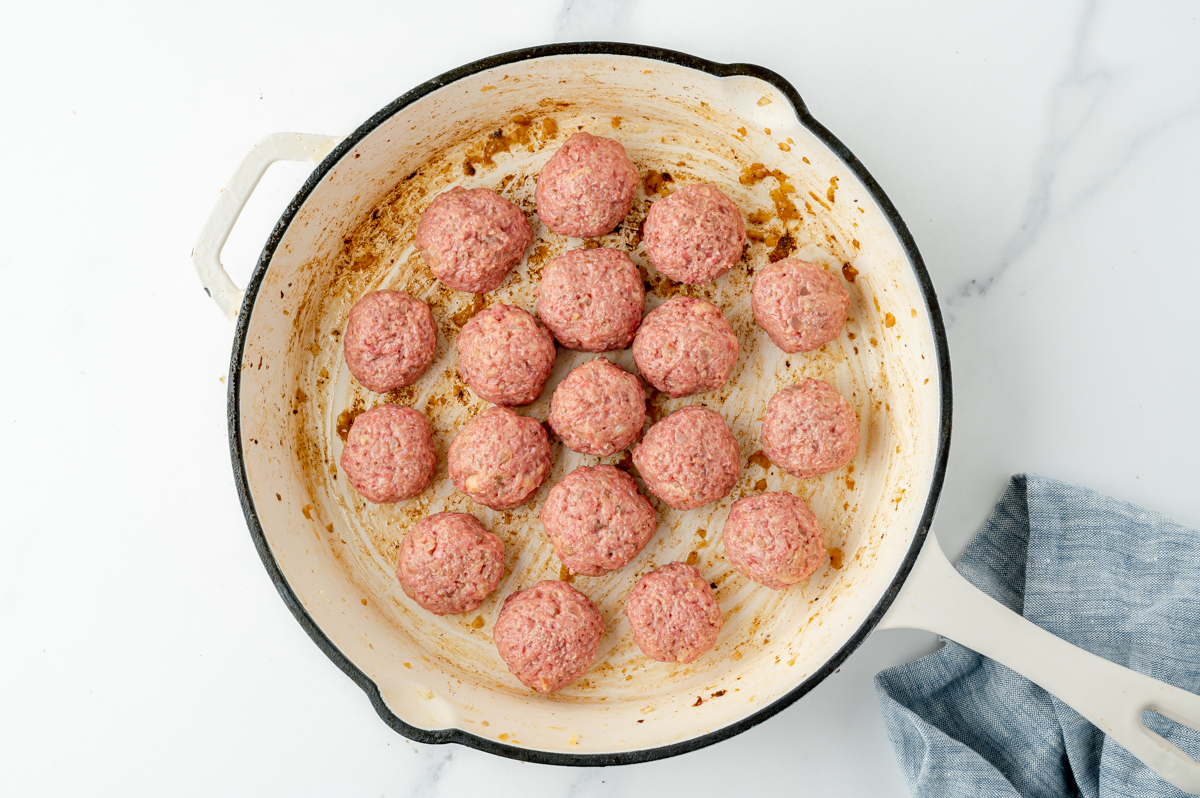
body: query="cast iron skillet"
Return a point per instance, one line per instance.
(931, 594)
(460, 736)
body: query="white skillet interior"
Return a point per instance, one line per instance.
(354, 234)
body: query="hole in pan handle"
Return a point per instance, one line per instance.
(938, 599)
(206, 255)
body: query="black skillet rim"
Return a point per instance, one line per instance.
(455, 735)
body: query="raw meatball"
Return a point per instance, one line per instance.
(470, 239)
(799, 304)
(685, 346)
(505, 355)
(389, 454)
(598, 409)
(389, 341)
(586, 189)
(449, 563)
(548, 635)
(809, 429)
(774, 539)
(673, 614)
(597, 520)
(499, 458)
(591, 299)
(689, 459)
(695, 235)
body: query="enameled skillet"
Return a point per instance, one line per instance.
(493, 123)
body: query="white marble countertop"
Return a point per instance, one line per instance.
(1044, 156)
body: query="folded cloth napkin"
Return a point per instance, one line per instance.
(1112, 578)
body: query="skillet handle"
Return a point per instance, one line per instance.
(206, 255)
(938, 599)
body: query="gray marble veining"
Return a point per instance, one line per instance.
(1044, 155)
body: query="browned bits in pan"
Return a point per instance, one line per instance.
(345, 420)
(753, 173)
(653, 182)
(783, 248)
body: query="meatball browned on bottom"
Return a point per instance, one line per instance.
(505, 355)
(470, 239)
(548, 635)
(809, 429)
(389, 454)
(689, 459)
(774, 539)
(591, 299)
(598, 409)
(449, 563)
(685, 346)
(390, 340)
(597, 520)
(587, 187)
(499, 458)
(673, 614)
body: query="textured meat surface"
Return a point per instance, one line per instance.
(390, 340)
(548, 635)
(799, 304)
(774, 539)
(505, 355)
(597, 520)
(591, 299)
(685, 346)
(449, 563)
(809, 429)
(470, 239)
(598, 409)
(695, 235)
(673, 614)
(389, 454)
(586, 188)
(689, 459)
(499, 458)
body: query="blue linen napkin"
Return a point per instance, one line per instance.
(1110, 577)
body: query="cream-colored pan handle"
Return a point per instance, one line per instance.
(938, 599)
(207, 252)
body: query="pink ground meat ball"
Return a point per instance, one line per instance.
(389, 454)
(505, 355)
(499, 458)
(591, 299)
(685, 346)
(597, 520)
(689, 459)
(449, 563)
(673, 614)
(774, 539)
(586, 188)
(389, 341)
(799, 304)
(695, 235)
(598, 409)
(470, 239)
(548, 635)
(809, 429)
